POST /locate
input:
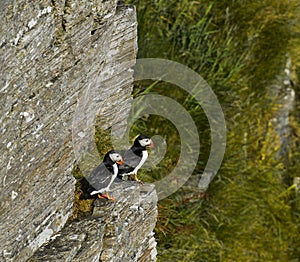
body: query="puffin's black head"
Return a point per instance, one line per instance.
(113, 157)
(143, 141)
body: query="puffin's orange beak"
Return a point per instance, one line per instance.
(121, 162)
(151, 144)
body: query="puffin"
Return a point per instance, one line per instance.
(135, 157)
(104, 175)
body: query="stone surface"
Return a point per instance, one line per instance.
(117, 231)
(283, 88)
(129, 231)
(77, 238)
(53, 52)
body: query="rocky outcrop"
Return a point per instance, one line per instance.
(117, 231)
(51, 53)
(283, 91)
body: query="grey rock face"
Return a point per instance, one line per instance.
(52, 52)
(117, 231)
(282, 89)
(78, 237)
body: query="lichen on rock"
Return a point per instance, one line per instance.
(52, 51)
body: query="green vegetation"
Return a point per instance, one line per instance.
(251, 211)
(83, 205)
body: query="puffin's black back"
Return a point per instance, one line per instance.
(102, 174)
(132, 156)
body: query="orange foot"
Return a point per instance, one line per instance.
(137, 180)
(106, 196)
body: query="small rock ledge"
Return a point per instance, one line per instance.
(117, 231)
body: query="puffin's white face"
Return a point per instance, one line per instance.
(117, 158)
(146, 142)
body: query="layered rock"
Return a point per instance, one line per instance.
(117, 231)
(52, 52)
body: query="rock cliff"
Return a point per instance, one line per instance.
(117, 231)
(52, 51)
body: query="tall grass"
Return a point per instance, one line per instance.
(239, 47)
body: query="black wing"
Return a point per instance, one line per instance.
(131, 160)
(100, 177)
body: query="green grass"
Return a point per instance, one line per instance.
(239, 47)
